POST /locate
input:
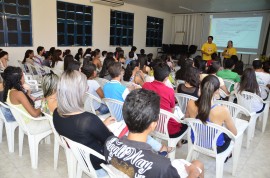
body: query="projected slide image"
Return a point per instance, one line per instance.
(243, 31)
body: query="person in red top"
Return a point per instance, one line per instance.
(167, 100)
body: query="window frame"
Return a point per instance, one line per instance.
(19, 18)
(122, 29)
(157, 28)
(86, 38)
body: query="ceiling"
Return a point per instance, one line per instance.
(203, 6)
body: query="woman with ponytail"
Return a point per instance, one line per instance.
(205, 110)
(17, 94)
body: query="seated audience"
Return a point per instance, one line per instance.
(66, 52)
(103, 56)
(185, 64)
(87, 53)
(79, 54)
(28, 57)
(104, 71)
(212, 70)
(95, 60)
(205, 110)
(167, 100)
(94, 88)
(67, 59)
(141, 112)
(133, 73)
(74, 65)
(249, 83)
(130, 57)
(227, 73)
(266, 66)
(57, 62)
(3, 60)
(71, 121)
(200, 64)
(48, 59)
(49, 87)
(192, 82)
(120, 57)
(52, 49)
(17, 93)
(39, 58)
(133, 49)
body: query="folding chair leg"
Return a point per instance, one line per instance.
(21, 137)
(236, 153)
(56, 152)
(219, 167)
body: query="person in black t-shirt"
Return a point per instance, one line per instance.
(131, 154)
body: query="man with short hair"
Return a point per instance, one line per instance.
(262, 77)
(208, 48)
(167, 100)
(131, 154)
(227, 72)
(39, 58)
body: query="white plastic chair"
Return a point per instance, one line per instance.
(10, 128)
(161, 131)
(101, 81)
(229, 84)
(246, 99)
(264, 91)
(113, 172)
(205, 139)
(71, 161)
(82, 154)
(33, 84)
(183, 99)
(89, 105)
(33, 140)
(115, 108)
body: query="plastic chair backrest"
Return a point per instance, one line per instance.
(89, 102)
(246, 99)
(206, 135)
(115, 108)
(56, 135)
(33, 84)
(183, 99)
(235, 109)
(82, 155)
(229, 84)
(19, 116)
(113, 172)
(2, 113)
(101, 81)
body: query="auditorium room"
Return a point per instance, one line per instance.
(134, 88)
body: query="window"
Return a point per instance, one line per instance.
(121, 32)
(154, 32)
(74, 24)
(15, 23)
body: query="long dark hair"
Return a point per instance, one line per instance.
(87, 51)
(129, 69)
(12, 79)
(68, 58)
(214, 67)
(56, 57)
(249, 82)
(209, 85)
(27, 54)
(107, 62)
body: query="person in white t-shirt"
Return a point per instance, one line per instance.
(93, 87)
(262, 77)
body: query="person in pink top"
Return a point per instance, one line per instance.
(167, 100)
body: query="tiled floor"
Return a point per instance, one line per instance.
(253, 163)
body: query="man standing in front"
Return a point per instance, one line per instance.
(208, 48)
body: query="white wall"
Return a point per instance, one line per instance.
(44, 27)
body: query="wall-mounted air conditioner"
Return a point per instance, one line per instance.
(109, 2)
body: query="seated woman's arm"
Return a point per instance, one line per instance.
(224, 88)
(22, 99)
(225, 114)
(100, 92)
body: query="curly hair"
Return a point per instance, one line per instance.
(12, 79)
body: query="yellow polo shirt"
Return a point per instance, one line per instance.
(209, 48)
(230, 52)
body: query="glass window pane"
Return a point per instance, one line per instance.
(70, 40)
(12, 38)
(79, 9)
(61, 6)
(12, 24)
(118, 40)
(23, 11)
(61, 40)
(61, 15)
(112, 41)
(71, 15)
(88, 29)
(25, 25)
(60, 27)
(10, 9)
(87, 18)
(26, 38)
(79, 29)
(10, 1)
(118, 31)
(70, 28)
(80, 40)
(79, 17)
(88, 10)
(24, 2)
(88, 40)
(71, 7)
(2, 42)
(112, 31)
